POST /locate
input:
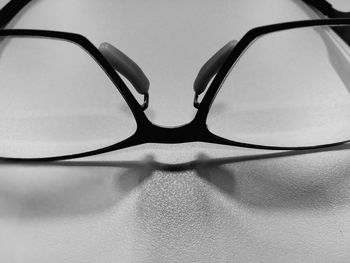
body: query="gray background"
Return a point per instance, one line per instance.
(286, 209)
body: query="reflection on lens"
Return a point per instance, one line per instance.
(289, 89)
(56, 100)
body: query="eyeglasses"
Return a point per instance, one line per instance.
(326, 10)
(281, 87)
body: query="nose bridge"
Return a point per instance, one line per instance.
(190, 132)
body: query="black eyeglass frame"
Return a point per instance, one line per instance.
(194, 131)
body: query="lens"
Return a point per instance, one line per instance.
(56, 100)
(289, 89)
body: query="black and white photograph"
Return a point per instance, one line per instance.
(175, 131)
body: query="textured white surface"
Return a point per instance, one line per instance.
(286, 209)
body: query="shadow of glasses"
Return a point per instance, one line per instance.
(43, 191)
(266, 181)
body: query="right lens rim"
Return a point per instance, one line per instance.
(238, 51)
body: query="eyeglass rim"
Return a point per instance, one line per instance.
(195, 130)
(248, 39)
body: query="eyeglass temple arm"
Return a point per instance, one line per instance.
(128, 68)
(337, 40)
(327, 10)
(10, 10)
(210, 68)
(338, 54)
(324, 7)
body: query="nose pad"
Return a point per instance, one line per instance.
(127, 67)
(210, 68)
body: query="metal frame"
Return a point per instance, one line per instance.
(146, 131)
